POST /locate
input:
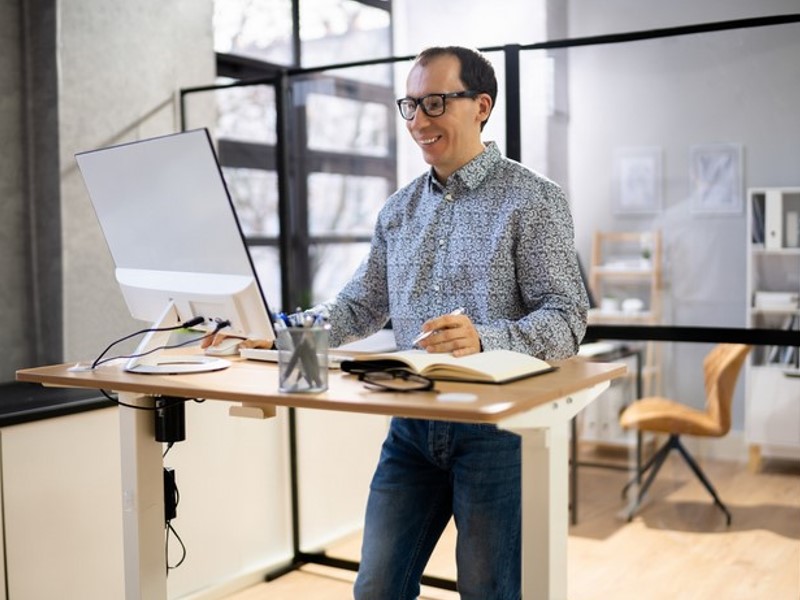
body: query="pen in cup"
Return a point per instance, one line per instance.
(425, 334)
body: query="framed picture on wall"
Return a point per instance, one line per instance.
(715, 177)
(637, 181)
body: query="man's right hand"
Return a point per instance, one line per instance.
(216, 339)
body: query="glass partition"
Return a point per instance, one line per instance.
(656, 142)
(655, 135)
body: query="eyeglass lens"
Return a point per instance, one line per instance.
(432, 105)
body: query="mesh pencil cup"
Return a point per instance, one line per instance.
(303, 359)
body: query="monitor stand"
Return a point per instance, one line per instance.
(152, 360)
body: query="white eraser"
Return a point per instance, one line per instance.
(457, 397)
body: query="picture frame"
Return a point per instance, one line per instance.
(715, 179)
(637, 180)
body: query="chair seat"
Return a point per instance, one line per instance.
(666, 416)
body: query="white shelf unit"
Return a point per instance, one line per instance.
(625, 266)
(772, 406)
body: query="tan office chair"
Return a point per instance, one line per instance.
(721, 367)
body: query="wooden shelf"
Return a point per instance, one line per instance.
(624, 273)
(775, 311)
(599, 317)
(758, 249)
(627, 262)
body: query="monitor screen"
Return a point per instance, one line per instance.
(174, 236)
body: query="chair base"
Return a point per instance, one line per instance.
(654, 464)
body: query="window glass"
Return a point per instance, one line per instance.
(344, 204)
(341, 31)
(268, 269)
(255, 196)
(246, 113)
(257, 28)
(343, 125)
(332, 266)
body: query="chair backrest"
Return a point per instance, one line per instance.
(721, 367)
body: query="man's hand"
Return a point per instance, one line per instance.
(216, 339)
(451, 333)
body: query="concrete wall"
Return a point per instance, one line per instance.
(14, 255)
(121, 66)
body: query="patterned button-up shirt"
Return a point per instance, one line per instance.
(496, 240)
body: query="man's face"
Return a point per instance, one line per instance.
(451, 140)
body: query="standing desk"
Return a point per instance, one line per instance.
(538, 409)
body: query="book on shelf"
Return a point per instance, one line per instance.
(758, 222)
(492, 366)
(786, 355)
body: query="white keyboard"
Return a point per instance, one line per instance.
(262, 354)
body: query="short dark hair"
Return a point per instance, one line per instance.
(477, 73)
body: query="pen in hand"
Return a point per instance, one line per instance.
(425, 334)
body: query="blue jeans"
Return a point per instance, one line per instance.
(428, 471)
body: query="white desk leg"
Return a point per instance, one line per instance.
(545, 512)
(142, 502)
(545, 498)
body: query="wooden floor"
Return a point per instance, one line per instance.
(677, 547)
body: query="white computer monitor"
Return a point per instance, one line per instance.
(177, 245)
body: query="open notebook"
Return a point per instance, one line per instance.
(493, 366)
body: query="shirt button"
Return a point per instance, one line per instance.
(441, 243)
(448, 196)
(435, 288)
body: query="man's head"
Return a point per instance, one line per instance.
(448, 129)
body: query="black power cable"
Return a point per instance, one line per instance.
(186, 325)
(219, 325)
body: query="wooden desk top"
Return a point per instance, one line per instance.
(256, 383)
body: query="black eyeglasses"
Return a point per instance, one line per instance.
(432, 105)
(395, 380)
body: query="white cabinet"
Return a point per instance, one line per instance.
(62, 512)
(61, 506)
(600, 420)
(772, 414)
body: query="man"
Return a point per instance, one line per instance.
(484, 234)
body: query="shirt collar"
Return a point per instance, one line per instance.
(474, 172)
